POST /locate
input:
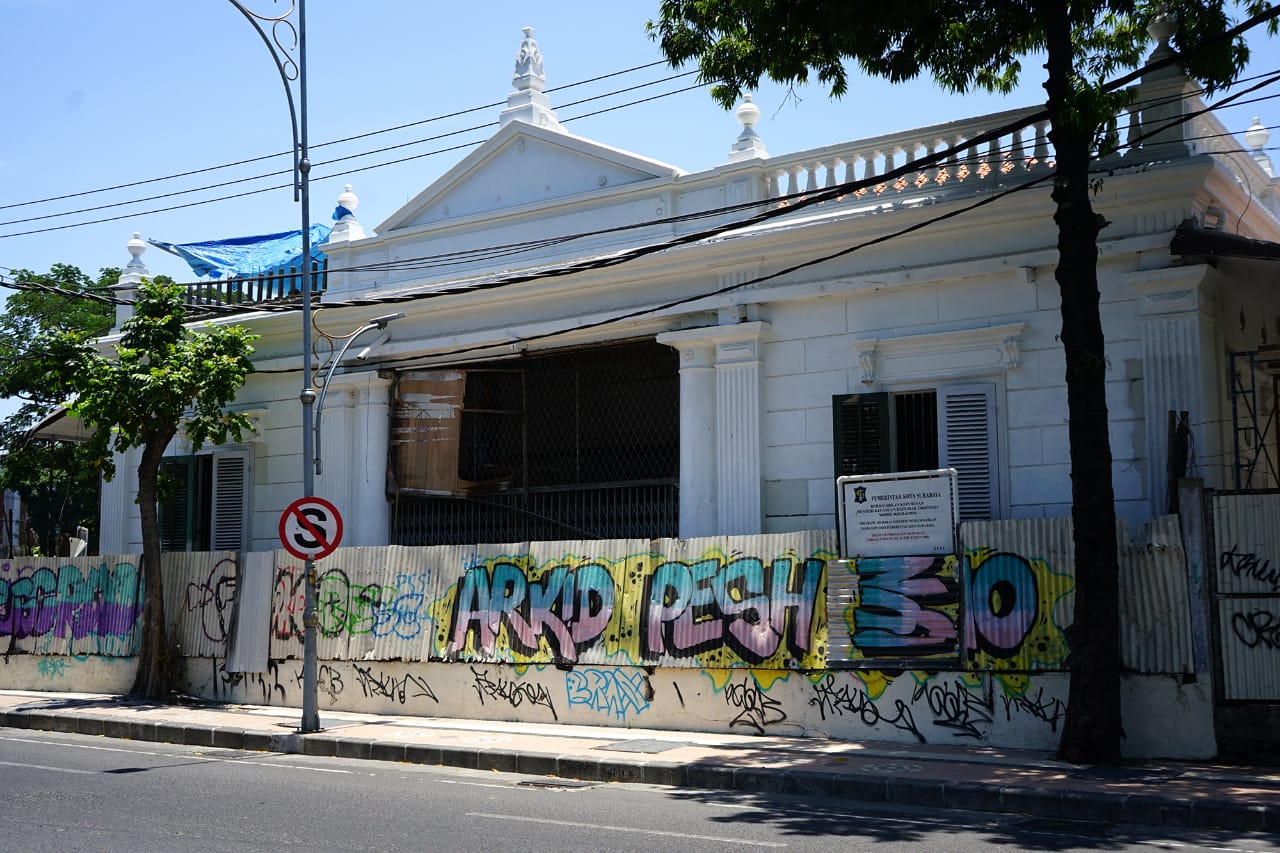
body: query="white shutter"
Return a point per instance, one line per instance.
(967, 442)
(230, 504)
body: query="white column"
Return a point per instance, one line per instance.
(119, 524)
(355, 432)
(1178, 367)
(697, 435)
(724, 491)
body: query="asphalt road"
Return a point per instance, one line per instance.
(71, 793)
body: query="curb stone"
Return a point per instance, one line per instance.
(1038, 801)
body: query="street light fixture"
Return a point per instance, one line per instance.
(282, 38)
(375, 323)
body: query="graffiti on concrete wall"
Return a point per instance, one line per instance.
(615, 692)
(906, 607)
(80, 607)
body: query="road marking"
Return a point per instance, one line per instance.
(195, 756)
(637, 831)
(46, 767)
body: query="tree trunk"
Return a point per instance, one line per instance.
(153, 679)
(1091, 732)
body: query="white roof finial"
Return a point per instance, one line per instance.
(1257, 137)
(529, 102)
(529, 73)
(136, 247)
(346, 227)
(749, 144)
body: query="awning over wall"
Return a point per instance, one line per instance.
(1191, 239)
(62, 425)
(247, 256)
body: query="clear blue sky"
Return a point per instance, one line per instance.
(98, 94)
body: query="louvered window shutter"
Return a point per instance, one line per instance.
(861, 433)
(967, 442)
(177, 481)
(229, 501)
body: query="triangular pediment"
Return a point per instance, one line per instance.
(524, 165)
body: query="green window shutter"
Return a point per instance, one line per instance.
(229, 503)
(861, 433)
(967, 442)
(176, 482)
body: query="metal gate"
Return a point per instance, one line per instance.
(1246, 593)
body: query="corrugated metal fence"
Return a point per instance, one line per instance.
(751, 601)
(1246, 528)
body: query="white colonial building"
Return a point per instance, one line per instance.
(599, 345)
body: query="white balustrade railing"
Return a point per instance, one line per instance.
(864, 160)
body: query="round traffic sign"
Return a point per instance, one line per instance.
(310, 528)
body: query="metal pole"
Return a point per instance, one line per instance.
(310, 709)
(275, 35)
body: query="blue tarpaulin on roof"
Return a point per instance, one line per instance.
(247, 256)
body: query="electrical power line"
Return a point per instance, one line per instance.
(206, 169)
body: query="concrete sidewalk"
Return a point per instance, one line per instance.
(1173, 793)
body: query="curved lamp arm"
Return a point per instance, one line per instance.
(375, 323)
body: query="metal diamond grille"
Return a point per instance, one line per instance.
(577, 444)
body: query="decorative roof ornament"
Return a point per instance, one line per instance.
(136, 247)
(749, 144)
(344, 215)
(529, 102)
(1257, 137)
(126, 287)
(1161, 28)
(529, 63)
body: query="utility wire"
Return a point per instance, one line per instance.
(809, 199)
(357, 136)
(344, 158)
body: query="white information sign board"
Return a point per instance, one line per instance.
(885, 515)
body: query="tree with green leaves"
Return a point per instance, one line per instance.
(164, 376)
(966, 45)
(59, 488)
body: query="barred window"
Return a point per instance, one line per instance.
(582, 444)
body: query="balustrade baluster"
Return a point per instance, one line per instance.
(1133, 137)
(1042, 142)
(1018, 156)
(794, 173)
(836, 162)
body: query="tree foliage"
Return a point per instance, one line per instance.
(162, 377)
(982, 44)
(59, 488)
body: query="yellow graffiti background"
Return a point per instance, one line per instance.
(1045, 644)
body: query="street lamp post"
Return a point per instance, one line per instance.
(284, 39)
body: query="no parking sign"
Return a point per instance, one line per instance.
(310, 528)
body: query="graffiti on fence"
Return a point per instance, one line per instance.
(70, 609)
(211, 599)
(613, 692)
(1257, 628)
(729, 609)
(347, 607)
(906, 607)
(510, 607)
(1010, 606)
(1246, 565)
(721, 610)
